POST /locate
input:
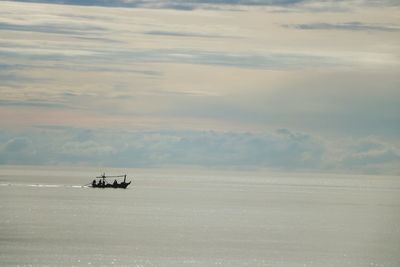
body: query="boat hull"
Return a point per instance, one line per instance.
(122, 185)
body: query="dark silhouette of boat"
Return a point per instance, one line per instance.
(103, 183)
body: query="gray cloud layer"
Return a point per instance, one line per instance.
(349, 26)
(182, 34)
(193, 4)
(50, 28)
(175, 4)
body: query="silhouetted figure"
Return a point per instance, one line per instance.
(102, 183)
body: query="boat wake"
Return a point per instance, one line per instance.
(44, 185)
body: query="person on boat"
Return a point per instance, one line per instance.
(115, 182)
(94, 183)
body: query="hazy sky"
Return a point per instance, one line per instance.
(277, 84)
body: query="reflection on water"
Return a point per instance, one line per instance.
(198, 219)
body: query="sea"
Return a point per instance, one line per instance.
(178, 217)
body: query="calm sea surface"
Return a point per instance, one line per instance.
(168, 218)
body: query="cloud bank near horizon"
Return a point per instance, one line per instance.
(280, 150)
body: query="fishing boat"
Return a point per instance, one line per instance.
(103, 183)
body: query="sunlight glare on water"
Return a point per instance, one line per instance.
(178, 218)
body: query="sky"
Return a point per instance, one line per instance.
(283, 85)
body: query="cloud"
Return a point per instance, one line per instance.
(50, 28)
(279, 150)
(286, 5)
(339, 6)
(33, 103)
(98, 39)
(18, 150)
(282, 149)
(349, 26)
(371, 155)
(263, 61)
(16, 145)
(205, 69)
(172, 4)
(182, 34)
(85, 150)
(269, 60)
